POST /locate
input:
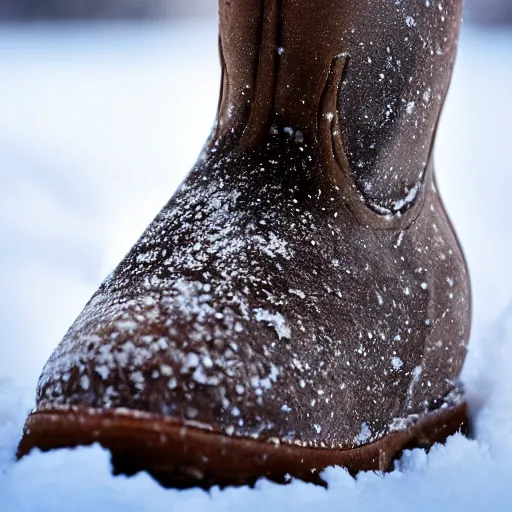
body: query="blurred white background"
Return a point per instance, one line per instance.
(481, 11)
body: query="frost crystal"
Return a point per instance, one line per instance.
(275, 320)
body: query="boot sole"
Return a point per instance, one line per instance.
(182, 456)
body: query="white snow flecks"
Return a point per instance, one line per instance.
(409, 20)
(399, 424)
(364, 435)
(274, 246)
(396, 363)
(409, 198)
(275, 320)
(415, 377)
(299, 293)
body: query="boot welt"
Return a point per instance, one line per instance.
(183, 456)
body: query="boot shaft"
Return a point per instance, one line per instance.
(388, 64)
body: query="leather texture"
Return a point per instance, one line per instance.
(304, 283)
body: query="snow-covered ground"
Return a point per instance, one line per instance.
(97, 128)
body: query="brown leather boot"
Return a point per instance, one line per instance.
(302, 299)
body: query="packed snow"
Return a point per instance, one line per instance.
(98, 126)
